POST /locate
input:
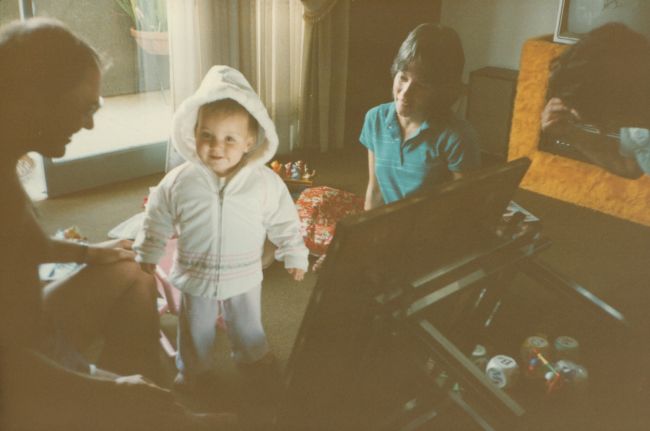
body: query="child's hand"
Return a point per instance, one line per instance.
(297, 274)
(149, 268)
(319, 264)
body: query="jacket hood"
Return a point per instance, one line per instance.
(223, 82)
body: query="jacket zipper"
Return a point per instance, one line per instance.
(220, 236)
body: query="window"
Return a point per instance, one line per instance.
(131, 129)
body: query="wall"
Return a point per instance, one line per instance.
(493, 31)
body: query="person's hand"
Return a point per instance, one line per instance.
(297, 274)
(126, 244)
(558, 118)
(109, 252)
(137, 383)
(135, 379)
(319, 263)
(149, 268)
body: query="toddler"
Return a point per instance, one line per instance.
(222, 203)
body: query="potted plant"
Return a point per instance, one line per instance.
(149, 18)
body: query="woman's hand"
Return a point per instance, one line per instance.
(126, 244)
(109, 252)
(135, 380)
(149, 268)
(297, 274)
(140, 389)
(319, 263)
(557, 118)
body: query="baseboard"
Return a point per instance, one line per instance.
(68, 176)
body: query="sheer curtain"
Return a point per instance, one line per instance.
(261, 38)
(278, 61)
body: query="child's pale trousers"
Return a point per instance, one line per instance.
(197, 330)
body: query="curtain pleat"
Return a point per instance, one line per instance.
(325, 64)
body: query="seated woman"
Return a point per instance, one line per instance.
(415, 141)
(49, 90)
(603, 81)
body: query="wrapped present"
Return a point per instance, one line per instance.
(320, 208)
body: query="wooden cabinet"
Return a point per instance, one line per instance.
(489, 109)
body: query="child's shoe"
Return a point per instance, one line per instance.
(263, 377)
(262, 384)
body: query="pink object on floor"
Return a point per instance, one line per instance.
(170, 294)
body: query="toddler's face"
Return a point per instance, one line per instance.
(222, 139)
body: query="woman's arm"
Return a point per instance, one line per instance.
(559, 121)
(94, 254)
(50, 250)
(373, 194)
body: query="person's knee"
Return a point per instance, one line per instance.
(131, 270)
(142, 285)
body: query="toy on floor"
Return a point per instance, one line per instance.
(297, 171)
(59, 270)
(72, 234)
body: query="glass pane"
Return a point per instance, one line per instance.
(9, 11)
(135, 85)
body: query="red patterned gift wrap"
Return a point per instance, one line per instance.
(320, 208)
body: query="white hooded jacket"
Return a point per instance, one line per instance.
(221, 227)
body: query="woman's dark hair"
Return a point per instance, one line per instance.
(42, 56)
(605, 75)
(438, 52)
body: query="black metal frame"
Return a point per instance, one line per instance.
(373, 325)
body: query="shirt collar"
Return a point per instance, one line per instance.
(391, 119)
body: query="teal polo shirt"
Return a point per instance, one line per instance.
(438, 148)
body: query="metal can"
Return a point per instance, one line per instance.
(533, 345)
(573, 373)
(566, 348)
